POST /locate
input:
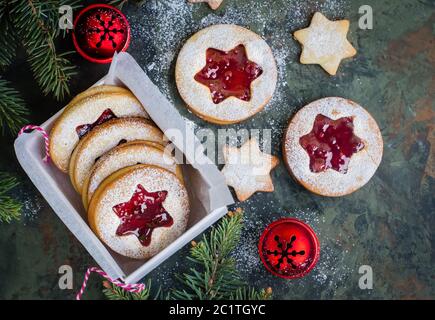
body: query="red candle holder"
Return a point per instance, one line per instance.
(100, 30)
(289, 248)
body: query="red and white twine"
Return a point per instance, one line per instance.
(44, 133)
(133, 288)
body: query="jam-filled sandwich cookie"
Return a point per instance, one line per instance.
(247, 169)
(105, 137)
(96, 90)
(332, 146)
(86, 111)
(139, 210)
(124, 155)
(226, 73)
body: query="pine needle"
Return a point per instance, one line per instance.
(8, 41)
(251, 294)
(10, 209)
(36, 24)
(13, 110)
(113, 292)
(216, 277)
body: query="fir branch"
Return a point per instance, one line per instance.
(113, 292)
(10, 208)
(251, 294)
(12, 108)
(217, 277)
(8, 41)
(36, 23)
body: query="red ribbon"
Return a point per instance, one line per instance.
(30, 127)
(133, 288)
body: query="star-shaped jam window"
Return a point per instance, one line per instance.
(228, 74)
(142, 214)
(331, 144)
(84, 129)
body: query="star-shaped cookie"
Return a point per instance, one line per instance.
(247, 169)
(324, 42)
(214, 4)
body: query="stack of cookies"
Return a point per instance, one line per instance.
(115, 156)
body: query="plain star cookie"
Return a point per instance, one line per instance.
(247, 169)
(226, 73)
(214, 4)
(332, 146)
(324, 42)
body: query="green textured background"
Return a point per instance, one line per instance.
(388, 224)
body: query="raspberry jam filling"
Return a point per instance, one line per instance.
(142, 214)
(228, 74)
(83, 129)
(331, 144)
(289, 248)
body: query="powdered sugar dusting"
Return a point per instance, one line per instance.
(247, 169)
(324, 39)
(31, 206)
(107, 136)
(330, 271)
(127, 155)
(63, 136)
(168, 24)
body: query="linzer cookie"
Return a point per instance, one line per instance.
(124, 155)
(87, 111)
(332, 146)
(226, 73)
(105, 137)
(139, 210)
(95, 90)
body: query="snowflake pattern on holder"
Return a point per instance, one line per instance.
(106, 30)
(284, 252)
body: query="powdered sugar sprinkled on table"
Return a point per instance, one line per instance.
(170, 23)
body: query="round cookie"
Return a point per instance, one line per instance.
(131, 196)
(105, 137)
(332, 146)
(86, 111)
(124, 155)
(95, 90)
(215, 42)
